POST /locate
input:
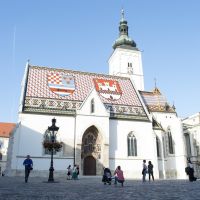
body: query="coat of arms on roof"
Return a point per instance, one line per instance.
(61, 83)
(109, 89)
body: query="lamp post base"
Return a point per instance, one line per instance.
(51, 179)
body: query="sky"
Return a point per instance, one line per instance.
(79, 35)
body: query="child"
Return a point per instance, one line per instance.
(69, 172)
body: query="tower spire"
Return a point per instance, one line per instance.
(155, 82)
(126, 59)
(122, 13)
(123, 39)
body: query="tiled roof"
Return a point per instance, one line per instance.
(156, 102)
(6, 129)
(38, 86)
(46, 92)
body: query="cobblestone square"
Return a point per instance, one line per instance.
(92, 188)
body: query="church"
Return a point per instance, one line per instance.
(104, 120)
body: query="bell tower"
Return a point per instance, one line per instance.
(126, 59)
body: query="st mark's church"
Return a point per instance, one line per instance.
(104, 120)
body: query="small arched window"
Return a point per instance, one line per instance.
(132, 144)
(164, 146)
(92, 106)
(158, 146)
(170, 142)
(188, 144)
(130, 68)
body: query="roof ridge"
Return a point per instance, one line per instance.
(80, 72)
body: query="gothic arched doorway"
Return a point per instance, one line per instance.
(91, 151)
(89, 166)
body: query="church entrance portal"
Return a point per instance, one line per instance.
(91, 151)
(89, 166)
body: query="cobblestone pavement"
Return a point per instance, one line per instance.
(92, 188)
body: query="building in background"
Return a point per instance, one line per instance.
(191, 129)
(104, 120)
(5, 131)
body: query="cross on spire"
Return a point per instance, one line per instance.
(122, 12)
(155, 82)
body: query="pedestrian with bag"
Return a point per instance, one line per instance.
(28, 164)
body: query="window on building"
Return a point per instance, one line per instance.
(130, 68)
(158, 147)
(132, 145)
(92, 106)
(170, 142)
(1, 156)
(129, 64)
(188, 145)
(164, 146)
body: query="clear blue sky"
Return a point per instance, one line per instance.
(79, 35)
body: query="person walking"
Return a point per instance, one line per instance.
(150, 170)
(191, 171)
(119, 176)
(144, 171)
(28, 164)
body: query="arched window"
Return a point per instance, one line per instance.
(132, 145)
(92, 106)
(188, 145)
(164, 146)
(170, 142)
(1, 156)
(130, 68)
(158, 146)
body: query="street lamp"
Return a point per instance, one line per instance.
(53, 129)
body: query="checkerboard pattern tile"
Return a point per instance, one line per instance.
(38, 86)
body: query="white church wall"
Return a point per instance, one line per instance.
(175, 163)
(161, 155)
(132, 166)
(29, 137)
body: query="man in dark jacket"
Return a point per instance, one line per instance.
(28, 163)
(150, 171)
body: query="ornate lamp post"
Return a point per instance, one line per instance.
(53, 129)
